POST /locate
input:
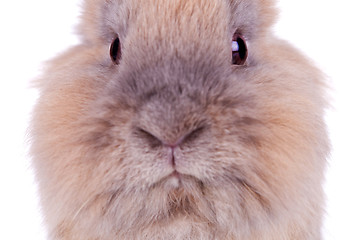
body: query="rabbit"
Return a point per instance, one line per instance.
(180, 119)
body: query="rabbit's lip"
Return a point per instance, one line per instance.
(176, 174)
(176, 177)
(172, 181)
(172, 175)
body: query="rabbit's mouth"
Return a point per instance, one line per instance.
(173, 180)
(177, 180)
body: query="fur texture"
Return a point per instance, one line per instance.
(248, 143)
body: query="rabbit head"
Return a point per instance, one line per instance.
(180, 119)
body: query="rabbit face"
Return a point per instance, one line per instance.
(149, 130)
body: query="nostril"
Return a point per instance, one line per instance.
(193, 134)
(148, 137)
(155, 142)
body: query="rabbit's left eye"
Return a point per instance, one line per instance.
(115, 51)
(239, 50)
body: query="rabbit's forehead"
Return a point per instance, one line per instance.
(186, 15)
(158, 10)
(104, 19)
(182, 20)
(189, 15)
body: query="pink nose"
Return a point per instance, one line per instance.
(155, 142)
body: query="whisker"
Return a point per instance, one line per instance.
(81, 208)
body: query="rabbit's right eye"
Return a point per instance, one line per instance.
(115, 51)
(239, 50)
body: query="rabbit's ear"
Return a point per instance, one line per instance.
(252, 17)
(103, 20)
(268, 13)
(90, 17)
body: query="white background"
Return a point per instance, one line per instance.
(36, 30)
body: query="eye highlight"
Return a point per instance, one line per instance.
(239, 50)
(115, 51)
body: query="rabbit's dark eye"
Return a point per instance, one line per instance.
(115, 51)
(239, 50)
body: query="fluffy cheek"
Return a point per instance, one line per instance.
(267, 154)
(237, 168)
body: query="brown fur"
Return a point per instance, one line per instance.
(253, 165)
